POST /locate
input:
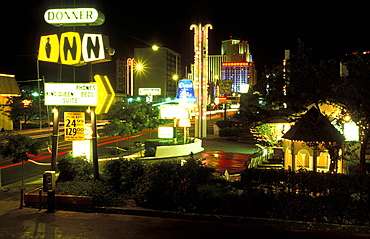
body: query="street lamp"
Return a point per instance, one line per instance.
(176, 75)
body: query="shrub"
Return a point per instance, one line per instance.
(150, 152)
(122, 175)
(169, 186)
(217, 196)
(225, 124)
(226, 132)
(306, 196)
(102, 194)
(74, 169)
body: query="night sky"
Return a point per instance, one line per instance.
(331, 30)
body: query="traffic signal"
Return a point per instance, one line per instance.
(48, 181)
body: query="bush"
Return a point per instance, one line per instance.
(102, 194)
(169, 186)
(217, 197)
(122, 175)
(74, 169)
(225, 124)
(306, 196)
(150, 152)
(226, 132)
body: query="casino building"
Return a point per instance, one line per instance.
(238, 67)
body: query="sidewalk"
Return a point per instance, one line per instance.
(10, 194)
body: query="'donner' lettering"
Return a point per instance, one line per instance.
(70, 15)
(74, 17)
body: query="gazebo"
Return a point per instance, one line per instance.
(313, 143)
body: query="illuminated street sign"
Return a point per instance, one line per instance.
(73, 48)
(74, 126)
(73, 94)
(74, 17)
(149, 91)
(173, 112)
(105, 94)
(185, 91)
(166, 132)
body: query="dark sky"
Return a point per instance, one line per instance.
(331, 30)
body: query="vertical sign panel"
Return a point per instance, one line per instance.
(74, 126)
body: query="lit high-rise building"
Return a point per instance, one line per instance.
(239, 66)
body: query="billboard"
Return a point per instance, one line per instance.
(72, 94)
(185, 91)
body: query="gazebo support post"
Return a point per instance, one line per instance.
(314, 165)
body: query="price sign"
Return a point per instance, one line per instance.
(74, 126)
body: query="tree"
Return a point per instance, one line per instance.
(352, 93)
(127, 118)
(283, 92)
(17, 147)
(25, 107)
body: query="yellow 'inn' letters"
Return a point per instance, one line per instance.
(70, 49)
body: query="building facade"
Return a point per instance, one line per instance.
(156, 69)
(238, 66)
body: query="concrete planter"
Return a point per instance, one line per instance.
(179, 150)
(33, 199)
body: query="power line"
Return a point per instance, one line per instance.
(135, 38)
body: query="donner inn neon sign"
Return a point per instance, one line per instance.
(73, 48)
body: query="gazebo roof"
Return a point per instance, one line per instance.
(314, 127)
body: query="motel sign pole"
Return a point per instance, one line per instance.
(86, 48)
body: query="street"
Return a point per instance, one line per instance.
(38, 164)
(11, 173)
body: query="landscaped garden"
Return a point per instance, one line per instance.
(193, 188)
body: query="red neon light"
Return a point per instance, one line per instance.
(231, 64)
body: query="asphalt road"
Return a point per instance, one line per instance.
(11, 173)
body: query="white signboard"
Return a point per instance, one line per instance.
(173, 112)
(166, 132)
(149, 91)
(73, 94)
(74, 17)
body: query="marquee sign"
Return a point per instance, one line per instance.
(74, 17)
(73, 48)
(74, 126)
(72, 94)
(235, 64)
